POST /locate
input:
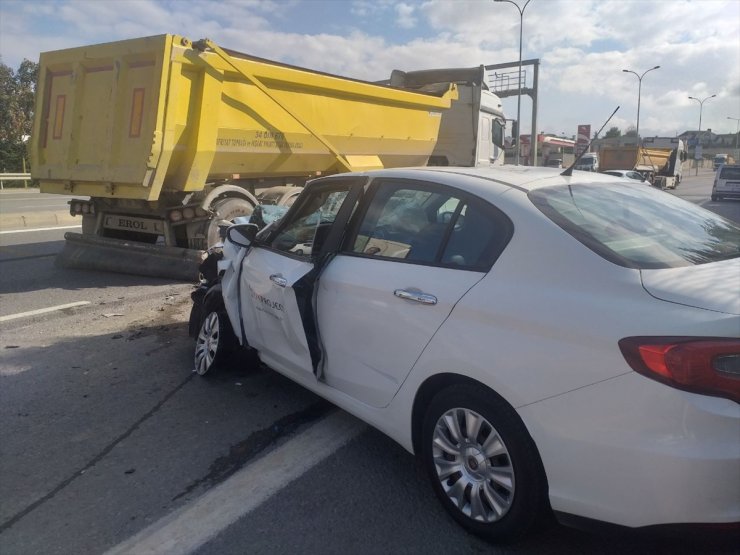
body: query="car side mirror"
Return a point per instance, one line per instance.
(242, 235)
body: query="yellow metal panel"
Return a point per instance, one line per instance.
(96, 189)
(365, 163)
(135, 117)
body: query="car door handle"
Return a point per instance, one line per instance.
(278, 279)
(416, 296)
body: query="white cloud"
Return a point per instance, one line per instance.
(405, 13)
(583, 45)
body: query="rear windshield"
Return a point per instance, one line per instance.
(730, 172)
(639, 227)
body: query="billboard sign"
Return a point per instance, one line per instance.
(583, 138)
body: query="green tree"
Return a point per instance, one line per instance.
(17, 91)
(631, 132)
(613, 132)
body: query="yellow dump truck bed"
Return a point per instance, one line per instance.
(633, 157)
(131, 119)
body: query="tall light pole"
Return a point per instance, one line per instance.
(698, 135)
(737, 133)
(639, 94)
(701, 106)
(519, 96)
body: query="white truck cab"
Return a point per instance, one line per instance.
(589, 162)
(476, 115)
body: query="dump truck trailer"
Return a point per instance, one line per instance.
(659, 159)
(169, 138)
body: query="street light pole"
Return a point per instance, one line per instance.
(519, 96)
(737, 133)
(698, 135)
(639, 94)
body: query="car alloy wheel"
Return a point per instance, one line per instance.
(473, 465)
(483, 464)
(214, 342)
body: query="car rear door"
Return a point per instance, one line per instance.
(416, 248)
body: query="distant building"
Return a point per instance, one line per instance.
(709, 139)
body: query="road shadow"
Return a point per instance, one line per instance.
(104, 433)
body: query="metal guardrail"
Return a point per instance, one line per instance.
(25, 177)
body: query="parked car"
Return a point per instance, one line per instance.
(726, 182)
(554, 163)
(720, 159)
(543, 343)
(628, 174)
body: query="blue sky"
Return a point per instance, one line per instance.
(583, 45)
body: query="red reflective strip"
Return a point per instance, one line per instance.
(59, 116)
(137, 113)
(136, 65)
(98, 69)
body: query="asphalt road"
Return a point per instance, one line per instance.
(109, 441)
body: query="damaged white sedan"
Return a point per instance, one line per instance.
(543, 342)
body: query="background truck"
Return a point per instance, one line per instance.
(720, 159)
(660, 159)
(169, 138)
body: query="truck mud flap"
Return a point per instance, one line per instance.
(88, 252)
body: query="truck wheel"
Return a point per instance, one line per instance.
(206, 234)
(215, 342)
(483, 464)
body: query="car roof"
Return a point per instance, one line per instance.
(483, 181)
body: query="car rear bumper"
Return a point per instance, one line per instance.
(733, 193)
(653, 456)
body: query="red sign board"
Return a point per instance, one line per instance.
(583, 138)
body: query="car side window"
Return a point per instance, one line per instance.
(430, 224)
(473, 238)
(308, 227)
(403, 223)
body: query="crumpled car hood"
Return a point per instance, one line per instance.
(714, 286)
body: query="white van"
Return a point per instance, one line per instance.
(589, 162)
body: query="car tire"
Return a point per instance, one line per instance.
(489, 478)
(715, 198)
(215, 342)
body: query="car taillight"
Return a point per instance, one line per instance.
(709, 366)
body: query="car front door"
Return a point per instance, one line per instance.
(278, 275)
(415, 249)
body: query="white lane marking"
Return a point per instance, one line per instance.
(43, 310)
(188, 528)
(40, 229)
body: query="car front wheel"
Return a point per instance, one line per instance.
(483, 464)
(215, 341)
